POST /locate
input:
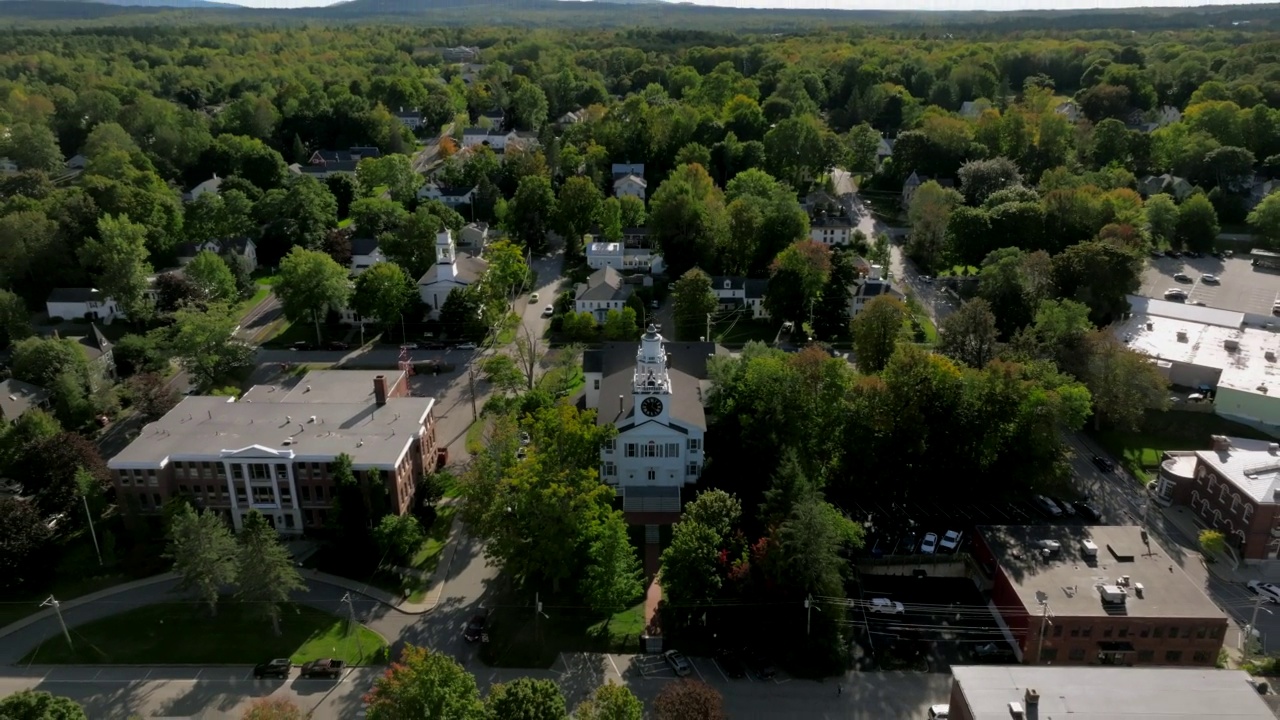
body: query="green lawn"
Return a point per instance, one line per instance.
(507, 333)
(1140, 452)
(428, 556)
(475, 436)
(553, 380)
(344, 223)
(623, 630)
(743, 330)
(183, 633)
(516, 639)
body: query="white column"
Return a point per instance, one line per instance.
(296, 510)
(231, 490)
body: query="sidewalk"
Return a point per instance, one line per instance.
(66, 605)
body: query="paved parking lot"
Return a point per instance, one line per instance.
(945, 621)
(1241, 288)
(898, 528)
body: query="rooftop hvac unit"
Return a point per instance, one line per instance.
(1271, 355)
(1016, 711)
(1182, 336)
(1231, 344)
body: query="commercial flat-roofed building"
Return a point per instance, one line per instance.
(273, 449)
(1070, 595)
(1000, 692)
(1211, 350)
(1233, 487)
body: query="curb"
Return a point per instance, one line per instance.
(78, 601)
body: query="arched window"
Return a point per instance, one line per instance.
(1247, 512)
(1195, 498)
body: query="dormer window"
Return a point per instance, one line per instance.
(727, 284)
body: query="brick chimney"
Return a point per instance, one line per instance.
(380, 390)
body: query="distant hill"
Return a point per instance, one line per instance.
(606, 14)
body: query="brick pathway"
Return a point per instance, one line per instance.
(653, 591)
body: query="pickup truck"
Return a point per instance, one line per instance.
(326, 668)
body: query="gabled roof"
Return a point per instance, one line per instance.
(475, 130)
(17, 397)
(718, 282)
(687, 365)
(364, 246)
(493, 113)
(603, 284)
(631, 179)
(76, 295)
(408, 114)
(470, 268)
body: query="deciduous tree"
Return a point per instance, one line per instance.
(1161, 216)
(211, 275)
(929, 211)
(576, 209)
(612, 579)
(531, 213)
(1197, 227)
(1264, 220)
(38, 705)
(981, 178)
(383, 291)
(620, 324)
(525, 699)
(610, 702)
(399, 536)
(24, 538)
(310, 284)
(119, 258)
(969, 335)
(689, 700)
(694, 300)
(687, 218)
(203, 340)
(425, 684)
(394, 172)
(876, 331)
(203, 552)
(1123, 382)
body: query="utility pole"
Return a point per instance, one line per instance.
(57, 609)
(92, 533)
(1250, 628)
(709, 328)
(471, 378)
(351, 622)
(1044, 622)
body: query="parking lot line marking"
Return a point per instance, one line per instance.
(615, 667)
(720, 669)
(694, 665)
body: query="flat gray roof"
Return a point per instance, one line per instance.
(208, 428)
(1111, 693)
(1252, 465)
(1068, 581)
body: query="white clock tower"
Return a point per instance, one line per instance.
(651, 384)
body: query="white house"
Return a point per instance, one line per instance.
(77, 162)
(81, 304)
(475, 235)
(632, 185)
(831, 229)
(365, 253)
(654, 398)
(603, 291)
(1070, 111)
(620, 257)
(451, 271)
(624, 169)
(208, 186)
(450, 196)
(411, 119)
(7, 166)
(866, 289)
(241, 246)
(735, 293)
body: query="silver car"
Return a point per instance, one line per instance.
(678, 662)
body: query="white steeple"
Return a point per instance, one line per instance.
(446, 253)
(651, 382)
(446, 249)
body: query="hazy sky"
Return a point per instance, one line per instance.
(879, 4)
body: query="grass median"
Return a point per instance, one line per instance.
(184, 633)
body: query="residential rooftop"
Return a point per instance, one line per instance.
(1252, 465)
(1110, 693)
(1173, 332)
(326, 414)
(1069, 581)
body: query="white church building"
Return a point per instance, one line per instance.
(451, 271)
(654, 397)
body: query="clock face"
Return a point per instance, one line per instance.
(651, 406)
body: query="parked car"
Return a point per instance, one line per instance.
(466, 346)
(278, 668)
(730, 664)
(409, 346)
(886, 606)
(1103, 464)
(533, 298)
(1067, 508)
(1269, 591)
(521, 454)
(336, 345)
(1047, 506)
(1087, 511)
(475, 630)
(548, 311)
(989, 650)
(326, 668)
(524, 438)
(1211, 279)
(759, 664)
(654, 304)
(939, 712)
(929, 545)
(1175, 294)
(950, 540)
(301, 345)
(433, 346)
(678, 662)
(1182, 277)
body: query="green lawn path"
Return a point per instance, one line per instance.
(183, 633)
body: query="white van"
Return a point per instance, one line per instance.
(1269, 591)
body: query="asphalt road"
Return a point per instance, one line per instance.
(901, 269)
